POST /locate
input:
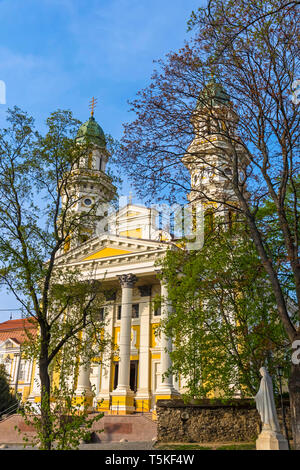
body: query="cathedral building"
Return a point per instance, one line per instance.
(123, 254)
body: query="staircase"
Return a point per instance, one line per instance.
(133, 428)
(10, 435)
(13, 409)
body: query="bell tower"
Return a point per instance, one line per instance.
(89, 184)
(209, 156)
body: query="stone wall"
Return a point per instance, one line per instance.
(209, 421)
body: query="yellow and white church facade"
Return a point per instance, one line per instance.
(123, 255)
(126, 264)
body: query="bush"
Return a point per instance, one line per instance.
(6, 398)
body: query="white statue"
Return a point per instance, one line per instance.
(265, 403)
(270, 438)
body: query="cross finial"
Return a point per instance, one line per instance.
(92, 105)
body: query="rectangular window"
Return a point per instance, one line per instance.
(119, 312)
(22, 371)
(135, 311)
(116, 374)
(133, 375)
(157, 312)
(101, 314)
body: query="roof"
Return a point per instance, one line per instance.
(18, 323)
(213, 94)
(16, 329)
(92, 132)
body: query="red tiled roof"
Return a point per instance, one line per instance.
(16, 329)
(19, 323)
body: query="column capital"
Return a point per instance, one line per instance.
(127, 280)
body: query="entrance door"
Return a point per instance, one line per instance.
(116, 374)
(133, 375)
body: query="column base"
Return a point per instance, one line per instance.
(122, 402)
(271, 440)
(165, 394)
(142, 402)
(84, 399)
(103, 402)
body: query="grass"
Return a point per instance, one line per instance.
(215, 446)
(183, 447)
(238, 447)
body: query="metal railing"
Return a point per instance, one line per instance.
(11, 410)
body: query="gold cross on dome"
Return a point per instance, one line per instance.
(92, 105)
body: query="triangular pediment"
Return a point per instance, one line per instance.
(10, 343)
(110, 246)
(107, 252)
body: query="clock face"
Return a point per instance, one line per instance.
(87, 202)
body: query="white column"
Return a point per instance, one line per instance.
(127, 282)
(106, 366)
(84, 387)
(166, 386)
(18, 357)
(122, 397)
(83, 382)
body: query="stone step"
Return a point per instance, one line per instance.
(8, 433)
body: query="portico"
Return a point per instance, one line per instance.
(131, 379)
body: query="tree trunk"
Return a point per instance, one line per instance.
(45, 406)
(46, 429)
(294, 389)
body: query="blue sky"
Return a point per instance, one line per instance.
(59, 53)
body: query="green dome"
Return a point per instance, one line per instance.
(92, 132)
(214, 94)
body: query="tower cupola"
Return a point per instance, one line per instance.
(91, 132)
(89, 185)
(209, 157)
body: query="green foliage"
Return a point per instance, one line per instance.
(269, 226)
(38, 218)
(224, 322)
(69, 422)
(6, 398)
